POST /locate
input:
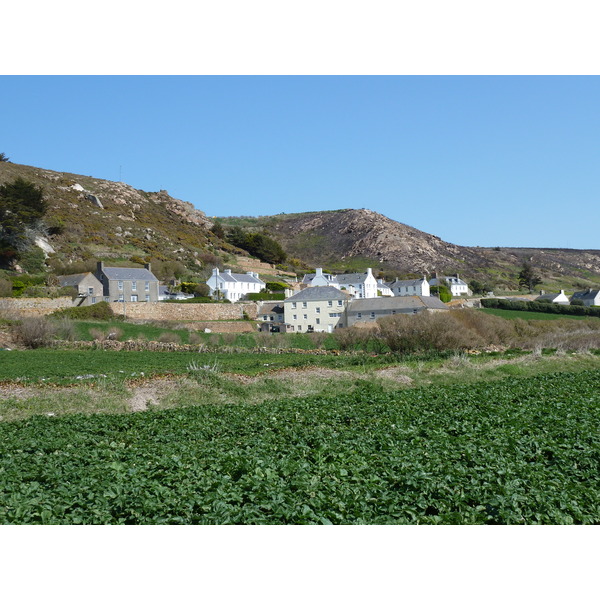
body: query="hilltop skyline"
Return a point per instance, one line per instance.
(477, 161)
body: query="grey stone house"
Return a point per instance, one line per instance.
(368, 310)
(127, 284)
(86, 285)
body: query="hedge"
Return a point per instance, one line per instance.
(542, 307)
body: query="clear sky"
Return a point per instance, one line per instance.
(475, 160)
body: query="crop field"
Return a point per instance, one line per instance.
(514, 451)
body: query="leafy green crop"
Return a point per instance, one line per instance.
(515, 451)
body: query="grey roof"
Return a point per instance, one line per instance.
(408, 282)
(547, 296)
(396, 303)
(586, 295)
(129, 274)
(449, 279)
(310, 276)
(238, 277)
(351, 278)
(68, 280)
(267, 308)
(318, 292)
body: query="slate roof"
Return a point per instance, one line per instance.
(585, 295)
(351, 278)
(316, 293)
(449, 279)
(396, 303)
(407, 282)
(238, 277)
(267, 308)
(69, 280)
(310, 276)
(128, 274)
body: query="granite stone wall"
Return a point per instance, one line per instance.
(170, 311)
(32, 307)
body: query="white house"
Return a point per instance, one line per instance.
(454, 283)
(318, 278)
(359, 285)
(410, 287)
(590, 297)
(560, 298)
(321, 308)
(234, 286)
(383, 289)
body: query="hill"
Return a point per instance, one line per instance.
(93, 219)
(354, 239)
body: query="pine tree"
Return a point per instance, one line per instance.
(528, 278)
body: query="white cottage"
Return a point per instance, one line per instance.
(410, 287)
(234, 286)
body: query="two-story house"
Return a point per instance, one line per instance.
(321, 308)
(410, 287)
(370, 309)
(454, 283)
(234, 286)
(127, 284)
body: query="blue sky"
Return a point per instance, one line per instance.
(475, 160)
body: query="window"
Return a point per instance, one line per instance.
(134, 298)
(330, 303)
(359, 316)
(106, 298)
(90, 291)
(299, 327)
(304, 305)
(120, 285)
(265, 318)
(121, 298)
(318, 321)
(295, 317)
(134, 285)
(339, 303)
(93, 299)
(318, 310)
(147, 286)
(147, 297)
(293, 305)
(305, 317)
(372, 315)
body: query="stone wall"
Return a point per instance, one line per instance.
(32, 307)
(171, 311)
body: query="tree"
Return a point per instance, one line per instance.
(22, 207)
(528, 278)
(3, 157)
(218, 230)
(442, 292)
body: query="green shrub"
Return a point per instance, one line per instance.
(100, 311)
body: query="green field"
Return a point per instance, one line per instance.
(514, 451)
(529, 316)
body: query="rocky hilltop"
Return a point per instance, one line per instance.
(351, 238)
(95, 218)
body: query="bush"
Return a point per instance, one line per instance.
(100, 311)
(5, 288)
(169, 337)
(65, 329)
(34, 332)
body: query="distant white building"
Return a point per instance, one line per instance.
(410, 287)
(560, 298)
(383, 289)
(359, 285)
(454, 283)
(234, 286)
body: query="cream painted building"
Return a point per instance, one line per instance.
(321, 308)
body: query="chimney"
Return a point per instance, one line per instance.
(216, 271)
(149, 267)
(590, 291)
(318, 272)
(227, 271)
(369, 271)
(100, 266)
